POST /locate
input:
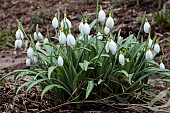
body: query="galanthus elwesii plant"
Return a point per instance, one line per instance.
(101, 66)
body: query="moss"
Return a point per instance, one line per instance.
(5, 38)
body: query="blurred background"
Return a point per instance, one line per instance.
(127, 16)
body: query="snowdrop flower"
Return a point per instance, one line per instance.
(148, 55)
(161, 66)
(38, 35)
(120, 38)
(147, 27)
(99, 36)
(46, 40)
(66, 23)
(62, 38)
(112, 47)
(109, 22)
(37, 45)
(18, 43)
(101, 16)
(19, 34)
(28, 62)
(107, 47)
(150, 43)
(34, 59)
(71, 40)
(86, 29)
(121, 59)
(156, 48)
(60, 61)
(30, 52)
(55, 22)
(106, 30)
(81, 26)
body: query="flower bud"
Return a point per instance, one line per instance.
(46, 40)
(112, 47)
(121, 59)
(19, 34)
(81, 26)
(35, 36)
(101, 16)
(156, 48)
(162, 66)
(107, 47)
(65, 23)
(99, 36)
(110, 22)
(150, 43)
(148, 55)
(86, 29)
(30, 52)
(60, 61)
(19, 43)
(38, 35)
(37, 45)
(28, 62)
(62, 38)
(34, 59)
(106, 30)
(55, 22)
(147, 27)
(71, 40)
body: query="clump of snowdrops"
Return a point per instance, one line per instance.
(96, 66)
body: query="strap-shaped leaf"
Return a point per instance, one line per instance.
(89, 88)
(23, 85)
(50, 70)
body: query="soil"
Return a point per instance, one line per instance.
(127, 17)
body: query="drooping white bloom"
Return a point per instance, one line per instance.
(46, 40)
(66, 23)
(112, 47)
(106, 30)
(19, 43)
(19, 34)
(101, 16)
(148, 55)
(28, 62)
(161, 66)
(60, 61)
(16, 43)
(156, 48)
(99, 36)
(150, 43)
(109, 22)
(86, 29)
(81, 26)
(55, 22)
(107, 47)
(35, 36)
(71, 40)
(37, 45)
(62, 38)
(38, 35)
(121, 59)
(147, 27)
(30, 52)
(34, 59)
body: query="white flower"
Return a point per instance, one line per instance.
(101, 16)
(162, 66)
(107, 47)
(62, 38)
(34, 59)
(106, 30)
(38, 35)
(19, 34)
(81, 26)
(156, 48)
(150, 43)
(112, 47)
(37, 45)
(71, 40)
(110, 22)
(121, 59)
(99, 36)
(30, 52)
(65, 23)
(35, 36)
(28, 62)
(60, 61)
(86, 29)
(18, 43)
(55, 22)
(46, 40)
(147, 27)
(148, 55)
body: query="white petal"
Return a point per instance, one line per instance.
(34, 59)
(66, 23)
(16, 43)
(62, 38)
(28, 62)
(110, 22)
(46, 40)
(71, 40)
(37, 45)
(80, 26)
(106, 30)
(19, 34)
(86, 29)
(150, 43)
(156, 48)
(101, 16)
(148, 55)
(99, 36)
(55, 22)
(162, 66)
(40, 36)
(147, 27)
(107, 47)
(19, 43)
(112, 47)
(30, 52)
(121, 60)
(60, 61)
(35, 36)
